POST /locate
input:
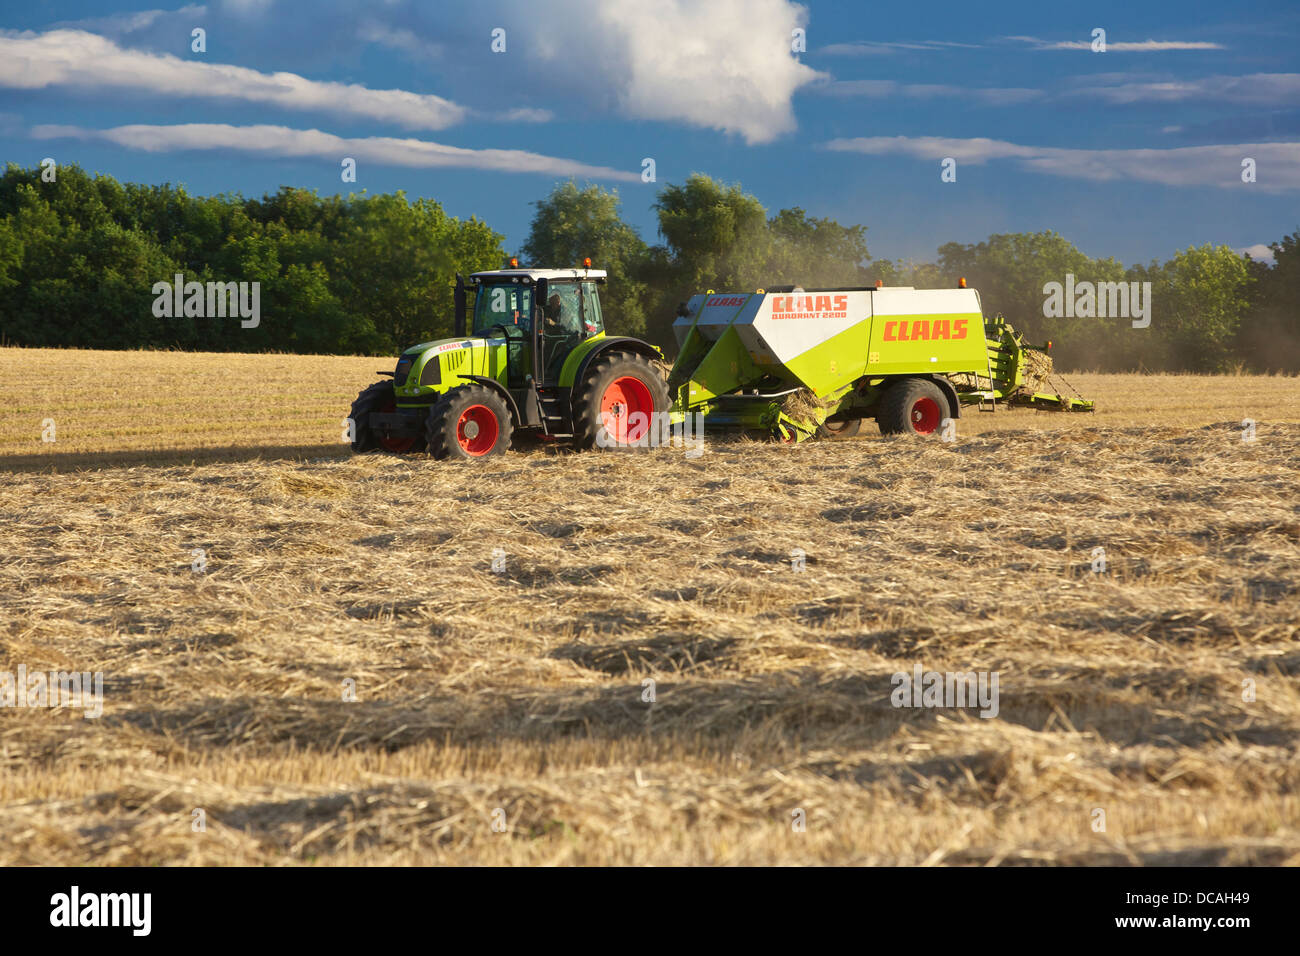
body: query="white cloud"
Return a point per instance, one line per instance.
(522, 114)
(974, 151)
(313, 143)
(1260, 89)
(720, 64)
(1119, 46)
(1278, 164)
(1259, 252)
(121, 24)
(400, 38)
(892, 89)
(1256, 89)
(874, 47)
(247, 8)
(76, 58)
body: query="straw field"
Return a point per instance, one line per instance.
(313, 658)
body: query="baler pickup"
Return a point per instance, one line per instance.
(1017, 374)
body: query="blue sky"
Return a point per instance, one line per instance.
(1134, 152)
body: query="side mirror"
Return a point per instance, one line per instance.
(682, 311)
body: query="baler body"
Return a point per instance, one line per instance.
(744, 355)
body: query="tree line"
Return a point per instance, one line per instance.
(80, 257)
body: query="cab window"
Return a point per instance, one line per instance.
(502, 303)
(563, 308)
(592, 320)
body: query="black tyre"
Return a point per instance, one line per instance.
(379, 397)
(835, 430)
(469, 423)
(912, 406)
(620, 391)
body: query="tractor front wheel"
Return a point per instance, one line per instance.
(913, 406)
(379, 397)
(619, 395)
(469, 423)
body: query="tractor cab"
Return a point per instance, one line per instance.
(541, 314)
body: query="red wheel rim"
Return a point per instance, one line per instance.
(477, 430)
(925, 415)
(625, 409)
(397, 446)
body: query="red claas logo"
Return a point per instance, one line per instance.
(727, 300)
(924, 330)
(810, 306)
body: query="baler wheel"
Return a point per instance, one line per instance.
(835, 430)
(913, 406)
(469, 423)
(617, 385)
(379, 397)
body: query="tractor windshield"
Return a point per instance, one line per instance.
(503, 303)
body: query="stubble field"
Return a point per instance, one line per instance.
(1147, 714)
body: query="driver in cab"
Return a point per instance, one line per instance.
(561, 327)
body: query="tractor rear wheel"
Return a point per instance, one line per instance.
(844, 428)
(468, 423)
(913, 406)
(379, 397)
(619, 394)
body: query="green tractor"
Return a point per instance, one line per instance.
(534, 363)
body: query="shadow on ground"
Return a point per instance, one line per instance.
(60, 461)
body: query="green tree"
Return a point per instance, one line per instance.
(1269, 336)
(396, 260)
(1199, 298)
(717, 236)
(78, 277)
(11, 254)
(815, 253)
(904, 272)
(1011, 270)
(572, 224)
(79, 258)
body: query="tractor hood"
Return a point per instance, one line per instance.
(442, 345)
(434, 366)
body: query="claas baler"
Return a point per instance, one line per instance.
(797, 363)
